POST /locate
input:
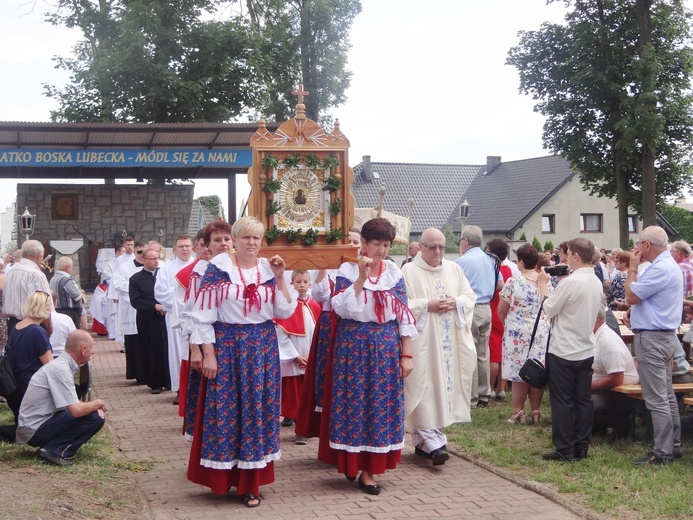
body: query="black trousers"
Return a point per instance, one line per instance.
(75, 314)
(571, 403)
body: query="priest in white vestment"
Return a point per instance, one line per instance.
(438, 391)
(171, 295)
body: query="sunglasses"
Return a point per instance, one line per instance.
(140, 251)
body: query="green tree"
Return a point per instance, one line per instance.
(548, 246)
(452, 241)
(681, 219)
(212, 203)
(202, 60)
(536, 244)
(305, 39)
(613, 83)
(153, 61)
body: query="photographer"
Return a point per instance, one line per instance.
(572, 307)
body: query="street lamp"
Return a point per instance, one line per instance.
(160, 234)
(124, 233)
(26, 223)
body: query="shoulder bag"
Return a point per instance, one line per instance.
(533, 372)
(8, 383)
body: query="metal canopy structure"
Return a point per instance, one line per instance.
(17, 138)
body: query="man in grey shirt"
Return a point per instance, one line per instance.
(51, 417)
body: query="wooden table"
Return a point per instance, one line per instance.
(627, 334)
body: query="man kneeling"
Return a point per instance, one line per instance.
(51, 417)
(613, 365)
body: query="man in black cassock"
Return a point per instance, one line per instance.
(151, 323)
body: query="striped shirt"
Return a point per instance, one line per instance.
(22, 280)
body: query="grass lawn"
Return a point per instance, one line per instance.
(605, 482)
(99, 485)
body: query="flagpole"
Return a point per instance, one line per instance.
(410, 208)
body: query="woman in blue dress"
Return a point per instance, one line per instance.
(236, 437)
(364, 392)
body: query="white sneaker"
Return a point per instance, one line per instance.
(492, 395)
(500, 396)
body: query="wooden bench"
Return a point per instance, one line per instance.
(635, 391)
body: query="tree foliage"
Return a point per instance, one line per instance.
(212, 203)
(202, 60)
(613, 84)
(681, 219)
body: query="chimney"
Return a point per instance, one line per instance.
(492, 162)
(366, 172)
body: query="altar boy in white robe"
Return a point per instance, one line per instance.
(171, 295)
(438, 391)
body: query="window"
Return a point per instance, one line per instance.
(591, 223)
(632, 223)
(548, 224)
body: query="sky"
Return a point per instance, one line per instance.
(429, 84)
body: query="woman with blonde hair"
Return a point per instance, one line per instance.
(29, 346)
(236, 436)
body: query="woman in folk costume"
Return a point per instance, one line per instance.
(310, 408)
(364, 394)
(236, 438)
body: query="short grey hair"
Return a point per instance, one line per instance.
(32, 248)
(601, 313)
(682, 247)
(63, 263)
(473, 234)
(655, 235)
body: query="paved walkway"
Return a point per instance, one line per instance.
(148, 427)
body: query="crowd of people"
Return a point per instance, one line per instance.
(356, 354)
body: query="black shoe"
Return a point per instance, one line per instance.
(678, 455)
(439, 456)
(580, 454)
(287, 421)
(421, 452)
(482, 404)
(651, 460)
(176, 400)
(557, 456)
(156, 391)
(54, 459)
(371, 489)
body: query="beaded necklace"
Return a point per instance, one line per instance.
(381, 270)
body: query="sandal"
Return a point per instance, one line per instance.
(536, 416)
(518, 417)
(251, 500)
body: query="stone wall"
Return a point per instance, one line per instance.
(103, 212)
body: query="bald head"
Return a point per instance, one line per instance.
(80, 346)
(653, 241)
(432, 247)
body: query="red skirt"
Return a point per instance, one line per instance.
(183, 386)
(219, 481)
(291, 395)
(348, 463)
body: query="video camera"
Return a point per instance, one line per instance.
(558, 270)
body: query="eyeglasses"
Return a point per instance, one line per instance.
(434, 248)
(140, 251)
(641, 242)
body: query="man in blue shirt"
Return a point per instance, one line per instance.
(655, 298)
(482, 273)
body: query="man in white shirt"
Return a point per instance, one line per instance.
(612, 366)
(573, 308)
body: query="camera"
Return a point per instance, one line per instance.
(558, 270)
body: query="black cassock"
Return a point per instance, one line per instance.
(152, 342)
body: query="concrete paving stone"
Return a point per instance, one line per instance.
(147, 427)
